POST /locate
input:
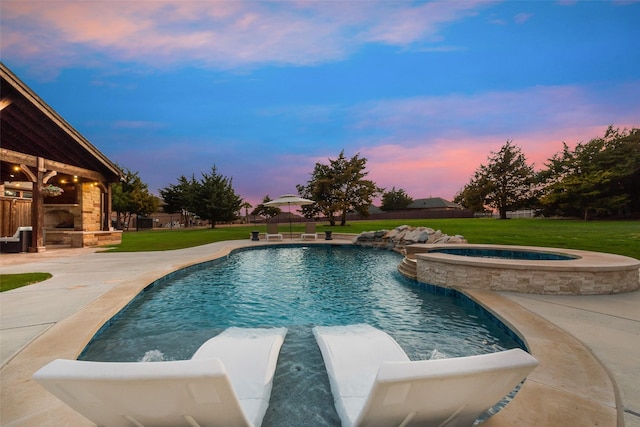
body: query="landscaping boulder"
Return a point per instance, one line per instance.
(404, 235)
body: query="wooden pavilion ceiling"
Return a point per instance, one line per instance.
(29, 126)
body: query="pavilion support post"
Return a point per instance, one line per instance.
(37, 209)
(106, 207)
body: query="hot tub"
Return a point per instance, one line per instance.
(526, 269)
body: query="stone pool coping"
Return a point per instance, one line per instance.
(570, 386)
(589, 273)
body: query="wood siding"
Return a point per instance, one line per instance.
(14, 213)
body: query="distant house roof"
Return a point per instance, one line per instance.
(433, 203)
(374, 209)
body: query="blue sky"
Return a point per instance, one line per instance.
(264, 90)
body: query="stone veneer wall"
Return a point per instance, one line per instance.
(83, 239)
(91, 235)
(91, 203)
(509, 278)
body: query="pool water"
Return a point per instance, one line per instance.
(297, 287)
(505, 254)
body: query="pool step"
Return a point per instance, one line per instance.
(408, 268)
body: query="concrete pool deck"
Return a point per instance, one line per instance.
(56, 318)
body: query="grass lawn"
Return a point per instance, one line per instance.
(13, 281)
(617, 237)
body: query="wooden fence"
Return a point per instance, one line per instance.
(14, 213)
(415, 214)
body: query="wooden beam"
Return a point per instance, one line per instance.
(48, 176)
(28, 172)
(74, 170)
(4, 103)
(17, 158)
(29, 160)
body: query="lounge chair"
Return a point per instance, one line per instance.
(227, 382)
(272, 231)
(309, 231)
(374, 383)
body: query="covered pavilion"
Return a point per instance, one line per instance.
(52, 178)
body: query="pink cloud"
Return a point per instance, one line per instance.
(437, 169)
(215, 34)
(429, 146)
(498, 113)
(521, 18)
(406, 25)
(137, 124)
(441, 168)
(432, 145)
(429, 167)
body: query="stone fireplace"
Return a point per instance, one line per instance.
(78, 225)
(59, 220)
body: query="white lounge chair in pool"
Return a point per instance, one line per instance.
(309, 231)
(272, 231)
(374, 383)
(227, 382)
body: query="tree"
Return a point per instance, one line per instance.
(131, 197)
(211, 198)
(472, 195)
(180, 198)
(395, 200)
(339, 188)
(597, 178)
(266, 211)
(505, 183)
(246, 206)
(216, 200)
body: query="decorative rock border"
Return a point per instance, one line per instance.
(589, 273)
(405, 235)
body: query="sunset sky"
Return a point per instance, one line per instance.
(424, 90)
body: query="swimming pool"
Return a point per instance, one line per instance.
(297, 287)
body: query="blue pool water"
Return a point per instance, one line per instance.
(505, 254)
(297, 287)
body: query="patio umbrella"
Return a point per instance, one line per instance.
(288, 200)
